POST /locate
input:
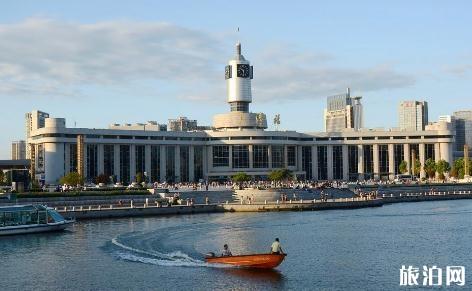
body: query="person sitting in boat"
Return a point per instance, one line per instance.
(276, 248)
(226, 251)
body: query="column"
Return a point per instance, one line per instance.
(391, 161)
(345, 163)
(147, 161)
(269, 154)
(314, 161)
(163, 163)
(116, 162)
(360, 162)
(100, 156)
(422, 160)
(177, 164)
(406, 157)
(285, 157)
(446, 152)
(251, 157)
(437, 152)
(375, 149)
(330, 161)
(132, 162)
(191, 163)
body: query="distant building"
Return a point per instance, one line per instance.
(343, 112)
(182, 124)
(463, 131)
(18, 150)
(34, 120)
(413, 115)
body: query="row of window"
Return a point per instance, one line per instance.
(240, 158)
(124, 162)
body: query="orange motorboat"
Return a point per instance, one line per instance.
(260, 261)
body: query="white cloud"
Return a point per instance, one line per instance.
(44, 57)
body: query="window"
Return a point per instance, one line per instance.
(92, 161)
(353, 160)
(170, 164)
(240, 156)
(108, 159)
(260, 156)
(221, 156)
(307, 162)
(184, 163)
(198, 162)
(278, 156)
(292, 156)
(337, 162)
(140, 159)
(155, 163)
(124, 163)
(322, 162)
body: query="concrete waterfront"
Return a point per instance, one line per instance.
(109, 211)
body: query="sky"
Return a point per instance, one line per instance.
(101, 62)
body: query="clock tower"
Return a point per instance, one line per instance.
(238, 75)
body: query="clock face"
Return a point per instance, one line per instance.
(227, 72)
(243, 71)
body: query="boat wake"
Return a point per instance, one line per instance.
(172, 259)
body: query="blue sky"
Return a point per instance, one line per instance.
(100, 62)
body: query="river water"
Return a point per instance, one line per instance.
(361, 249)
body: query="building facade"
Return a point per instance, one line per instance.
(238, 142)
(343, 112)
(182, 124)
(413, 115)
(462, 123)
(18, 150)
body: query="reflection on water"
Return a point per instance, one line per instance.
(271, 275)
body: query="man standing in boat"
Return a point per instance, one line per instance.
(276, 248)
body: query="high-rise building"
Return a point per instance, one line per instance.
(182, 124)
(463, 130)
(413, 115)
(342, 112)
(34, 120)
(18, 150)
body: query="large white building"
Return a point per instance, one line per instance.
(238, 142)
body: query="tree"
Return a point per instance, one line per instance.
(139, 178)
(240, 177)
(442, 167)
(416, 167)
(280, 175)
(73, 179)
(403, 167)
(457, 170)
(102, 178)
(430, 168)
(2, 177)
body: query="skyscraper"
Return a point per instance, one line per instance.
(413, 115)
(18, 150)
(34, 120)
(463, 128)
(343, 111)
